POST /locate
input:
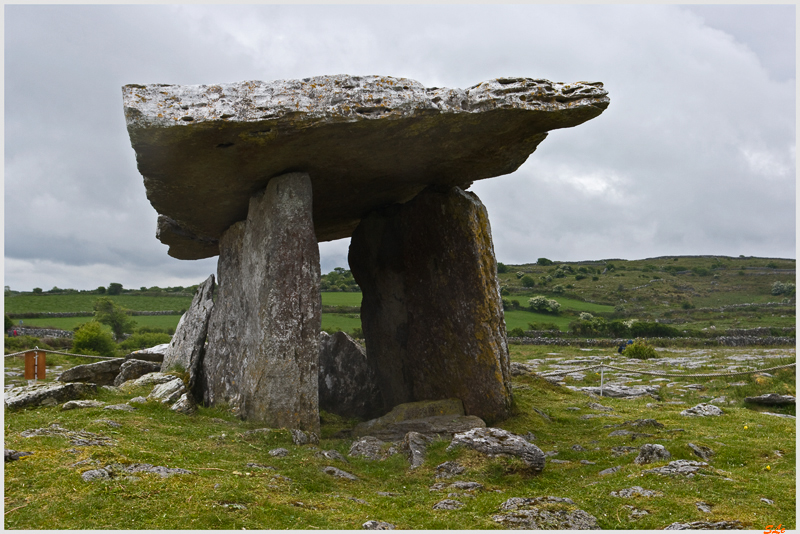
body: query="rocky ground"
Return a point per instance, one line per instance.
(652, 453)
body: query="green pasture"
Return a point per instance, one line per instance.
(30, 303)
(341, 298)
(69, 323)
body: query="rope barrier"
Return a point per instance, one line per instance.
(63, 353)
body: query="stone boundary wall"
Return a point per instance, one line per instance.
(726, 341)
(40, 332)
(45, 315)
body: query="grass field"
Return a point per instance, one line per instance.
(69, 323)
(28, 303)
(755, 458)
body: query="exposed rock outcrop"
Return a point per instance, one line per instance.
(133, 369)
(544, 513)
(430, 418)
(498, 442)
(47, 394)
(101, 373)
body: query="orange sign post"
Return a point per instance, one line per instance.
(34, 364)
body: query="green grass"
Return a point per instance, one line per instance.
(68, 323)
(30, 303)
(339, 321)
(341, 298)
(522, 318)
(44, 491)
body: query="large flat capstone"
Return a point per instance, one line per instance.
(366, 142)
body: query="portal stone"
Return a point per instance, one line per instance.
(431, 309)
(187, 345)
(263, 345)
(347, 384)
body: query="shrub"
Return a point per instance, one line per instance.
(146, 340)
(108, 312)
(580, 276)
(357, 333)
(687, 305)
(37, 290)
(91, 337)
(645, 329)
(528, 281)
(20, 343)
(9, 324)
(543, 304)
(504, 291)
(618, 329)
(640, 350)
(586, 316)
(595, 278)
(544, 262)
(558, 288)
(543, 326)
(779, 288)
(502, 268)
(701, 271)
(516, 332)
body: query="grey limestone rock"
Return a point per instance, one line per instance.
(338, 473)
(120, 407)
(369, 447)
(448, 504)
(650, 452)
(431, 305)
(168, 392)
(347, 383)
(702, 410)
(185, 405)
(186, 347)
(772, 399)
(150, 354)
(263, 342)
(46, 394)
(449, 469)
(596, 406)
(495, 441)
(95, 474)
(346, 131)
(11, 455)
(101, 373)
(377, 525)
(702, 451)
(678, 467)
(279, 452)
(610, 470)
(80, 438)
(634, 513)
(332, 455)
(622, 392)
(138, 400)
(706, 525)
(132, 369)
(300, 437)
(636, 491)
(544, 513)
(431, 418)
(415, 445)
(152, 379)
(703, 507)
(77, 404)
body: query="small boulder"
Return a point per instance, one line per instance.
(133, 369)
(338, 473)
(12, 456)
(415, 445)
(280, 452)
(449, 469)
(701, 450)
(610, 470)
(495, 442)
(153, 379)
(702, 410)
(152, 354)
(120, 407)
(377, 525)
(706, 525)
(101, 373)
(47, 394)
(185, 405)
(678, 467)
(369, 447)
(300, 437)
(332, 455)
(76, 404)
(168, 392)
(650, 453)
(544, 513)
(635, 491)
(448, 504)
(771, 399)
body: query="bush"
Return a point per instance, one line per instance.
(544, 262)
(108, 312)
(542, 304)
(640, 351)
(580, 276)
(516, 332)
(543, 326)
(618, 329)
(645, 329)
(558, 289)
(528, 281)
(91, 337)
(114, 288)
(9, 324)
(145, 340)
(779, 288)
(20, 343)
(502, 268)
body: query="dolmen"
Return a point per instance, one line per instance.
(258, 173)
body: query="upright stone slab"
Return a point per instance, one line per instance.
(186, 348)
(347, 384)
(263, 348)
(431, 309)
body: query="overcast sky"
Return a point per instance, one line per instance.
(695, 154)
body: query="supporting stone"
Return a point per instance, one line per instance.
(431, 309)
(347, 384)
(263, 337)
(186, 348)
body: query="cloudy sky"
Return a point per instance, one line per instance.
(695, 154)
